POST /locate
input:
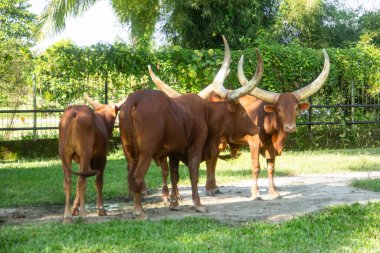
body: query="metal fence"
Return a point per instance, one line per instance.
(33, 124)
(361, 109)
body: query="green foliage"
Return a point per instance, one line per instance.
(370, 24)
(199, 23)
(16, 26)
(141, 15)
(65, 71)
(16, 21)
(318, 23)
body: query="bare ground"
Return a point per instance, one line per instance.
(301, 194)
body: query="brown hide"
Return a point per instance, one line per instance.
(83, 137)
(185, 128)
(275, 122)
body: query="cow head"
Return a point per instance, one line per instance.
(237, 123)
(107, 112)
(285, 105)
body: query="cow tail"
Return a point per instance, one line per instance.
(88, 173)
(131, 142)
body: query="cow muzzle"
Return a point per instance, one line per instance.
(290, 128)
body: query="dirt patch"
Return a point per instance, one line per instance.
(300, 195)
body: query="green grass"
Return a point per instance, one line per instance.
(354, 228)
(34, 182)
(368, 184)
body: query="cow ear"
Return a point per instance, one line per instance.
(269, 108)
(303, 106)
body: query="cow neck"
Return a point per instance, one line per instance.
(278, 135)
(107, 124)
(215, 118)
(215, 126)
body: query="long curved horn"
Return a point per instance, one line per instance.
(95, 105)
(267, 96)
(223, 71)
(313, 87)
(161, 85)
(249, 85)
(121, 103)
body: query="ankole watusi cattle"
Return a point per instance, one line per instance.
(83, 137)
(209, 95)
(275, 115)
(185, 128)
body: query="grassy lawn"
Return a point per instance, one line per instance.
(354, 228)
(28, 183)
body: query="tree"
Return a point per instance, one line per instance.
(16, 27)
(317, 23)
(16, 21)
(141, 15)
(199, 23)
(369, 24)
(298, 20)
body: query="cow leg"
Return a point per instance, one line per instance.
(254, 148)
(194, 176)
(271, 187)
(66, 166)
(174, 177)
(136, 184)
(211, 187)
(84, 165)
(234, 149)
(82, 186)
(99, 187)
(131, 163)
(75, 209)
(165, 173)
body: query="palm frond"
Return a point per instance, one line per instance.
(53, 18)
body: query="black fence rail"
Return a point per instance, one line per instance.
(38, 124)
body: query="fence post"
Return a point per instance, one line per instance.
(352, 101)
(34, 108)
(310, 118)
(106, 91)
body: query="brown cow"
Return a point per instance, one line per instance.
(83, 137)
(275, 115)
(185, 128)
(209, 95)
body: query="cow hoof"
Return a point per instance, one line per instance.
(165, 199)
(139, 215)
(174, 206)
(274, 196)
(101, 212)
(67, 219)
(256, 197)
(75, 211)
(213, 192)
(201, 209)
